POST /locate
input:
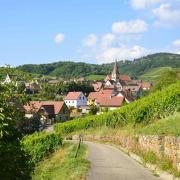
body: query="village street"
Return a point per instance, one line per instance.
(109, 163)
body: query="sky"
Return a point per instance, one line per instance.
(92, 31)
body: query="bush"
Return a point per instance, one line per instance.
(155, 106)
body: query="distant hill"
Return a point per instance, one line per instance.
(134, 68)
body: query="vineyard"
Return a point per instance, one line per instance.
(39, 145)
(156, 106)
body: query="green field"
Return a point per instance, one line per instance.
(95, 77)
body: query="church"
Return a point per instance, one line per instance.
(122, 83)
(114, 90)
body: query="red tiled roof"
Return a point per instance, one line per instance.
(93, 95)
(106, 92)
(124, 77)
(34, 106)
(73, 95)
(114, 101)
(100, 94)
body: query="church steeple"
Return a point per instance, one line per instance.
(115, 72)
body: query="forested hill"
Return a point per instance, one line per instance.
(134, 68)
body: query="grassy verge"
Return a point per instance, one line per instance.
(62, 165)
(163, 163)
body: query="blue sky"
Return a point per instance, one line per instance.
(94, 31)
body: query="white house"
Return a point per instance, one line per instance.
(75, 99)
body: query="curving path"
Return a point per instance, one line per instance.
(109, 163)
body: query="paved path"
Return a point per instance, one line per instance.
(109, 163)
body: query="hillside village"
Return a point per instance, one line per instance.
(111, 93)
(90, 90)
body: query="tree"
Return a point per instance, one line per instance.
(93, 110)
(13, 160)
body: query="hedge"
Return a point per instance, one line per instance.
(144, 110)
(39, 145)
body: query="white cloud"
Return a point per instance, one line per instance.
(167, 15)
(90, 41)
(130, 27)
(59, 38)
(176, 42)
(142, 4)
(107, 40)
(121, 53)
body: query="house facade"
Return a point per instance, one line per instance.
(48, 110)
(75, 99)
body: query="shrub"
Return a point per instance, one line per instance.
(39, 145)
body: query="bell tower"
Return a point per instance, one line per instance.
(115, 73)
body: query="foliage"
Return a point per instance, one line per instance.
(64, 88)
(49, 92)
(145, 110)
(13, 161)
(39, 145)
(62, 164)
(134, 68)
(30, 125)
(10, 110)
(93, 110)
(167, 78)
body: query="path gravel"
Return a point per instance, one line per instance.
(109, 163)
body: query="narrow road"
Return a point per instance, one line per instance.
(109, 163)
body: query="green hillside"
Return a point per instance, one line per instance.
(154, 74)
(134, 68)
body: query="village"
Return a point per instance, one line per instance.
(113, 92)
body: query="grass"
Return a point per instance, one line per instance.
(95, 77)
(164, 163)
(62, 164)
(167, 126)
